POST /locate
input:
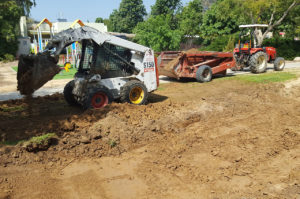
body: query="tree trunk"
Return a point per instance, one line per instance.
(259, 37)
(276, 23)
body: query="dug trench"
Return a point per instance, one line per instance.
(223, 139)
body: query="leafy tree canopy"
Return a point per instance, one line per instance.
(190, 19)
(225, 16)
(129, 14)
(99, 20)
(10, 13)
(25, 5)
(164, 7)
(221, 19)
(157, 33)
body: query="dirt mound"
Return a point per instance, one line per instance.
(168, 69)
(192, 51)
(217, 140)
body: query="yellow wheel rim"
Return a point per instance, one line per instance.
(136, 95)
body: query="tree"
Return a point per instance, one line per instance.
(271, 12)
(157, 33)
(114, 21)
(99, 20)
(129, 14)
(190, 19)
(223, 18)
(164, 7)
(207, 4)
(105, 22)
(25, 5)
(10, 13)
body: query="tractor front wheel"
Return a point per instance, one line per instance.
(279, 64)
(258, 62)
(134, 92)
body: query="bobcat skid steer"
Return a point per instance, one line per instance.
(110, 69)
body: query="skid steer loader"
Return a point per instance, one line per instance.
(110, 68)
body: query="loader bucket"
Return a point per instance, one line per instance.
(34, 71)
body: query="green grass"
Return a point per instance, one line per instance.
(12, 109)
(66, 75)
(112, 143)
(37, 140)
(42, 138)
(62, 75)
(160, 88)
(264, 78)
(15, 68)
(9, 143)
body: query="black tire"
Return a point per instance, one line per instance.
(98, 98)
(69, 97)
(134, 92)
(204, 74)
(258, 62)
(279, 64)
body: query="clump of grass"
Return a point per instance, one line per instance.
(112, 143)
(12, 109)
(160, 88)
(41, 139)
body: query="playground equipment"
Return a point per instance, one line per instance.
(39, 44)
(73, 51)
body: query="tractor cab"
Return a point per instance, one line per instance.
(248, 52)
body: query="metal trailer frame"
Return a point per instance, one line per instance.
(188, 63)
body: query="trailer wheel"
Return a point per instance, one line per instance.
(98, 98)
(258, 62)
(279, 64)
(69, 97)
(204, 74)
(134, 92)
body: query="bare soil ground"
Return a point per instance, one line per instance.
(223, 139)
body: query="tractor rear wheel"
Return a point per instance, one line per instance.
(98, 98)
(204, 74)
(134, 92)
(69, 97)
(258, 62)
(279, 64)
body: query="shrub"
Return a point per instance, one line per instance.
(286, 47)
(8, 58)
(221, 43)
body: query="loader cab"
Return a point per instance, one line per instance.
(107, 60)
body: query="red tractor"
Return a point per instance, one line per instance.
(249, 54)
